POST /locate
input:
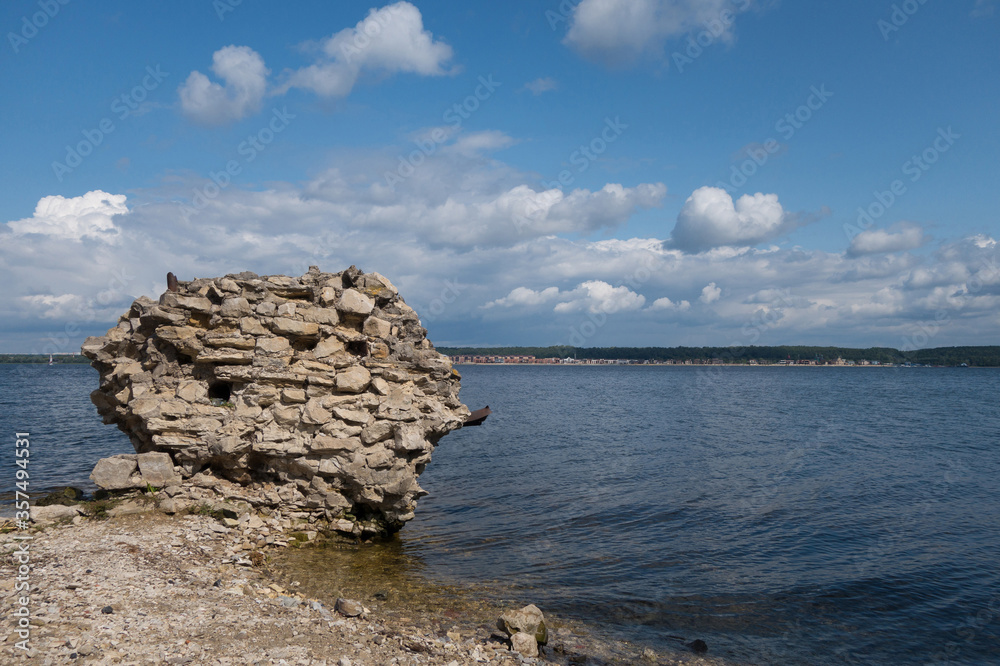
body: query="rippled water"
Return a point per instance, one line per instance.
(783, 515)
(52, 403)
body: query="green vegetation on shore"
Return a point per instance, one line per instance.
(44, 358)
(973, 356)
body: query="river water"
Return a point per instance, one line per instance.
(783, 515)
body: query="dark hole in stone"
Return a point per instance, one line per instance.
(220, 391)
(358, 347)
(214, 297)
(184, 359)
(305, 344)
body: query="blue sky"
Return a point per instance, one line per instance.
(592, 172)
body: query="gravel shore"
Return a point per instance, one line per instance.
(148, 588)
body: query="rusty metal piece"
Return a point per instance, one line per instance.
(477, 417)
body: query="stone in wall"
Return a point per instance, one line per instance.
(319, 394)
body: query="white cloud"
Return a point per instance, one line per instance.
(618, 32)
(523, 297)
(667, 304)
(710, 293)
(477, 143)
(879, 241)
(47, 306)
(541, 85)
(88, 216)
(710, 219)
(391, 39)
(447, 239)
(245, 76)
(597, 296)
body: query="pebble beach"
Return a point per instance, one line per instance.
(142, 587)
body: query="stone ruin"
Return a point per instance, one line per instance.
(320, 395)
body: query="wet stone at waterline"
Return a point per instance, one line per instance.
(319, 394)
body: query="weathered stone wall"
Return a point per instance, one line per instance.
(320, 394)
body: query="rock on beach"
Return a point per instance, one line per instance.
(318, 394)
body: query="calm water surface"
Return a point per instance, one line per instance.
(783, 515)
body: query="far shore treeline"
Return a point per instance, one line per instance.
(59, 359)
(972, 356)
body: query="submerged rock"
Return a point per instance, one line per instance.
(318, 394)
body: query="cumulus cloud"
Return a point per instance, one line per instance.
(710, 293)
(448, 239)
(523, 297)
(389, 40)
(516, 214)
(245, 81)
(667, 304)
(880, 241)
(597, 296)
(542, 85)
(88, 216)
(618, 32)
(711, 219)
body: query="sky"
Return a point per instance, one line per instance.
(583, 172)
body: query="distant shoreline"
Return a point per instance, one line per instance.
(701, 365)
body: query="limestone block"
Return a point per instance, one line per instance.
(157, 469)
(328, 347)
(114, 473)
(51, 513)
(273, 345)
(314, 413)
(353, 380)
(235, 307)
(378, 328)
(528, 620)
(286, 326)
(355, 303)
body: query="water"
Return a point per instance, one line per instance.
(52, 403)
(783, 515)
